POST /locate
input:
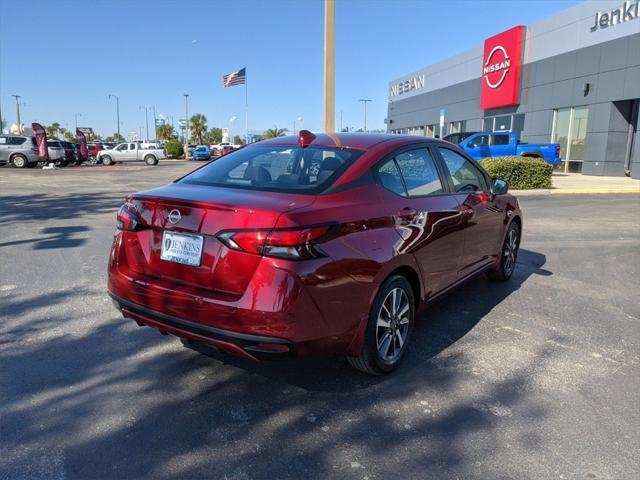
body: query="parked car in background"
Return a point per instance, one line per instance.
(56, 153)
(69, 153)
(191, 148)
(202, 152)
(93, 149)
(19, 151)
(131, 152)
(458, 137)
(224, 149)
(257, 255)
(500, 144)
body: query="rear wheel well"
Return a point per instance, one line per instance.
(413, 279)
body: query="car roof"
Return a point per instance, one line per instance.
(357, 141)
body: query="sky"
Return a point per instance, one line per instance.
(65, 57)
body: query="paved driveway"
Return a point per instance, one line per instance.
(535, 378)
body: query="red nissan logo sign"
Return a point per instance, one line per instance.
(501, 69)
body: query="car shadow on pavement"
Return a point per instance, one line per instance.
(55, 237)
(437, 328)
(38, 206)
(118, 401)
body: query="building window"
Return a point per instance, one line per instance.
(569, 130)
(457, 127)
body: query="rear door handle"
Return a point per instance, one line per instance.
(408, 213)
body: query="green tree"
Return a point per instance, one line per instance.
(237, 140)
(53, 130)
(165, 132)
(214, 136)
(198, 126)
(69, 137)
(116, 137)
(174, 148)
(274, 132)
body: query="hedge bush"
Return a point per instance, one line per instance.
(174, 148)
(522, 173)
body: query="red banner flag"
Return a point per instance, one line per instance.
(41, 140)
(84, 152)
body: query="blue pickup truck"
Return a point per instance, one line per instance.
(500, 144)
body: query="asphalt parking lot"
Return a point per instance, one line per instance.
(535, 378)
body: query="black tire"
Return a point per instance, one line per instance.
(32, 164)
(373, 359)
(62, 163)
(150, 160)
(19, 161)
(106, 160)
(508, 255)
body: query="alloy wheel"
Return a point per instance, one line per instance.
(392, 325)
(510, 251)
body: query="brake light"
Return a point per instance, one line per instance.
(127, 219)
(557, 150)
(305, 137)
(293, 244)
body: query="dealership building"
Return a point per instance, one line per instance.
(572, 79)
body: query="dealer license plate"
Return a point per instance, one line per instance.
(181, 248)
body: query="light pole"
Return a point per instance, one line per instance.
(117, 111)
(231, 120)
(186, 131)
(146, 119)
(298, 119)
(365, 101)
(17, 97)
(155, 124)
(76, 117)
(328, 111)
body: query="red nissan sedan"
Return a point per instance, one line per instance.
(308, 245)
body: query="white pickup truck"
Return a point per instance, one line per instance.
(131, 152)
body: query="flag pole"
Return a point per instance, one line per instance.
(246, 108)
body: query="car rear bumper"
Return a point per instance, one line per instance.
(251, 347)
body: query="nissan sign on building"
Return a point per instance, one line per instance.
(572, 79)
(502, 57)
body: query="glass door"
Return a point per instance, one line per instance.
(570, 130)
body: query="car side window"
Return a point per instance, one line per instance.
(121, 148)
(132, 146)
(419, 173)
(3, 140)
(390, 177)
(465, 176)
(479, 141)
(500, 139)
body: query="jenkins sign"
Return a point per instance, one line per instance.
(501, 69)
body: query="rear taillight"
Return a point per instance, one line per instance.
(294, 244)
(558, 150)
(127, 219)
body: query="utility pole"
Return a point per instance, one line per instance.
(186, 131)
(328, 111)
(18, 97)
(297, 119)
(365, 101)
(117, 112)
(76, 117)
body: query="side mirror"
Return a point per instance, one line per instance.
(499, 186)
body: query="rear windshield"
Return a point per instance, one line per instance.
(276, 168)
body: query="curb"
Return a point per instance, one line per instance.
(575, 191)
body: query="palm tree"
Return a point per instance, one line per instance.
(198, 126)
(274, 132)
(165, 132)
(52, 130)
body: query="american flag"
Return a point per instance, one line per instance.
(234, 78)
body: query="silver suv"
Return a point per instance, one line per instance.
(18, 150)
